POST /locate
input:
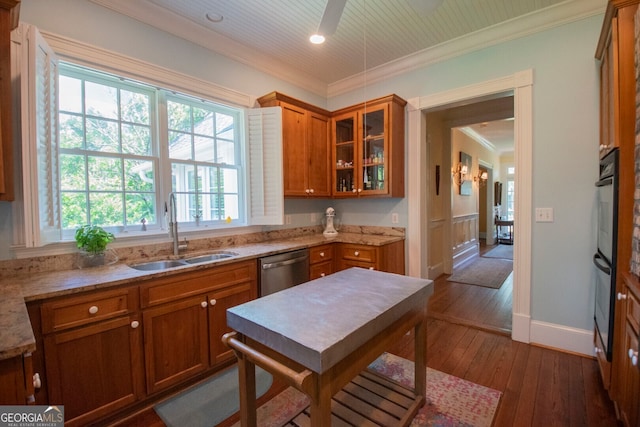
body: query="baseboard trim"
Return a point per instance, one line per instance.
(561, 337)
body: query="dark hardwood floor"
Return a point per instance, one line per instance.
(468, 335)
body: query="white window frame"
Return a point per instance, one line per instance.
(262, 147)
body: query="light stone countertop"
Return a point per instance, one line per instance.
(16, 334)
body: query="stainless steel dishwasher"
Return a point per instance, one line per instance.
(278, 272)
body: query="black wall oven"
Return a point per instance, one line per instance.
(605, 256)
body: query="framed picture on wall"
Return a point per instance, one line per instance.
(466, 186)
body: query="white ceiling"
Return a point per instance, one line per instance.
(392, 35)
(381, 37)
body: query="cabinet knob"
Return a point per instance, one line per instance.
(597, 350)
(359, 190)
(354, 191)
(93, 309)
(322, 254)
(633, 355)
(204, 304)
(621, 296)
(213, 301)
(311, 190)
(306, 190)
(135, 324)
(371, 268)
(37, 382)
(356, 253)
(321, 274)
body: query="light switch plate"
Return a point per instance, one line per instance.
(394, 218)
(544, 214)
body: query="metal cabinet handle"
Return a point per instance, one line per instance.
(204, 304)
(621, 296)
(93, 309)
(37, 382)
(135, 324)
(213, 301)
(322, 254)
(356, 253)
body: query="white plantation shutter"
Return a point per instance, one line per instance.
(39, 115)
(264, 158)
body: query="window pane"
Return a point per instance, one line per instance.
(136, 139)
(182, 177)
(106, 209)
(226, 152)
(179, 116)
(229, 182)
(209, 179)
(139, 175)
(70, 98)
(101, 100)
(105, 173)
(180, 146)
(140, 205)
(203, 149)
(231, 207)
(135, 107)
(72, 172)
(102, 135)
(203, 121)
(71, 131)
(216, 208)
(74, 209)
(225, 126)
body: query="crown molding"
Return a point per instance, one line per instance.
(158, 17)
(535, 22)
(542, 20)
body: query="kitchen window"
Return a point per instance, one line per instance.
(108, 150)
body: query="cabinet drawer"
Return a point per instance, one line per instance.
(320, 254)
(320, 270)
(80, 310)
(358, 253)
(633, 310)
(188, 284)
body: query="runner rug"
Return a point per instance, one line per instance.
(487, 272)
(500, 251)
(451, 401)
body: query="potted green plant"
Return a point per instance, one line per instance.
(93, 241)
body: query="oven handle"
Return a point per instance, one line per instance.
(604, 268)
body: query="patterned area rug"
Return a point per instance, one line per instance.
(487, 272)
(500, 251)
(451, 401)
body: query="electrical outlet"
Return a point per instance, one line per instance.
(287, 219)
(313, 218)
(394, 218)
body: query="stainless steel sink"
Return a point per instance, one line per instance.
(158, 265)
(171, 263)
(210, 257)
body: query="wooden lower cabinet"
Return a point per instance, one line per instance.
(321, 261)
(627, 373)
(389, 257)
(95, 370)
(16, 379)
(184, 319)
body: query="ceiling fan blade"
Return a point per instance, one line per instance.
(331, 17)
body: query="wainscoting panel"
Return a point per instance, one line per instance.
(465, 238)
(436, 248)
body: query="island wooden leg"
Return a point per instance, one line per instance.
(321, 401)
(247, 379)
(421, 358)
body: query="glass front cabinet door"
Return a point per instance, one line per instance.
(369, 149)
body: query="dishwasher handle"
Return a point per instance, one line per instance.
(270, 265)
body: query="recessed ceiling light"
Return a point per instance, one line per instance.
(214, 17)
(317, 39)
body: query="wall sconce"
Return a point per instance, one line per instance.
(481, 178)
(459, 174)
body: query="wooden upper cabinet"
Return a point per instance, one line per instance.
(368, 149)
(305, 134)
(9, 17)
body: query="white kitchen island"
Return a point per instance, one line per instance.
(322, 334)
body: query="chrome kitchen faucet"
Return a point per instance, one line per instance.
(173, 225)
